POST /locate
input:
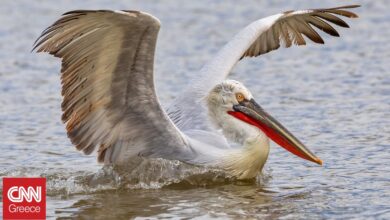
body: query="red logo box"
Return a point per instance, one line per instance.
(24, 198)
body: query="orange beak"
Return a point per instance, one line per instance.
(251, 113)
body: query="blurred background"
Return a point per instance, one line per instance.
(334, 97)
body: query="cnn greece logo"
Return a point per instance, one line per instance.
(24, 198)
(28, 194)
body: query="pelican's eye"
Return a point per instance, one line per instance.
(240, 97)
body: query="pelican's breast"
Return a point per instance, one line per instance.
(247, 162)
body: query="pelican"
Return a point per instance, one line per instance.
(110, 104)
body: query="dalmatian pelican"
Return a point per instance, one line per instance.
(110, 104)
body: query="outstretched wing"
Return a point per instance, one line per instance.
(109, 99)
(260, 37)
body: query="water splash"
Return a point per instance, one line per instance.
(140, 173)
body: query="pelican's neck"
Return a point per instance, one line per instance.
(248, 160)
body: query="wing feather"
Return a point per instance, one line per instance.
(331, 18)
(292, 24)
(323, 26)
(109, 101)
(285, 34)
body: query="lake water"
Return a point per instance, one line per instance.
(334, 97)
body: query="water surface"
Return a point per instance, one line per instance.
(334, 97)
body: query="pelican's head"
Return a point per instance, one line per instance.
(232, 108)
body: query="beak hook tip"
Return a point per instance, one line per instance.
(319, 161)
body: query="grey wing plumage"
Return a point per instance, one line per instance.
(290, 27)
(109, 99)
